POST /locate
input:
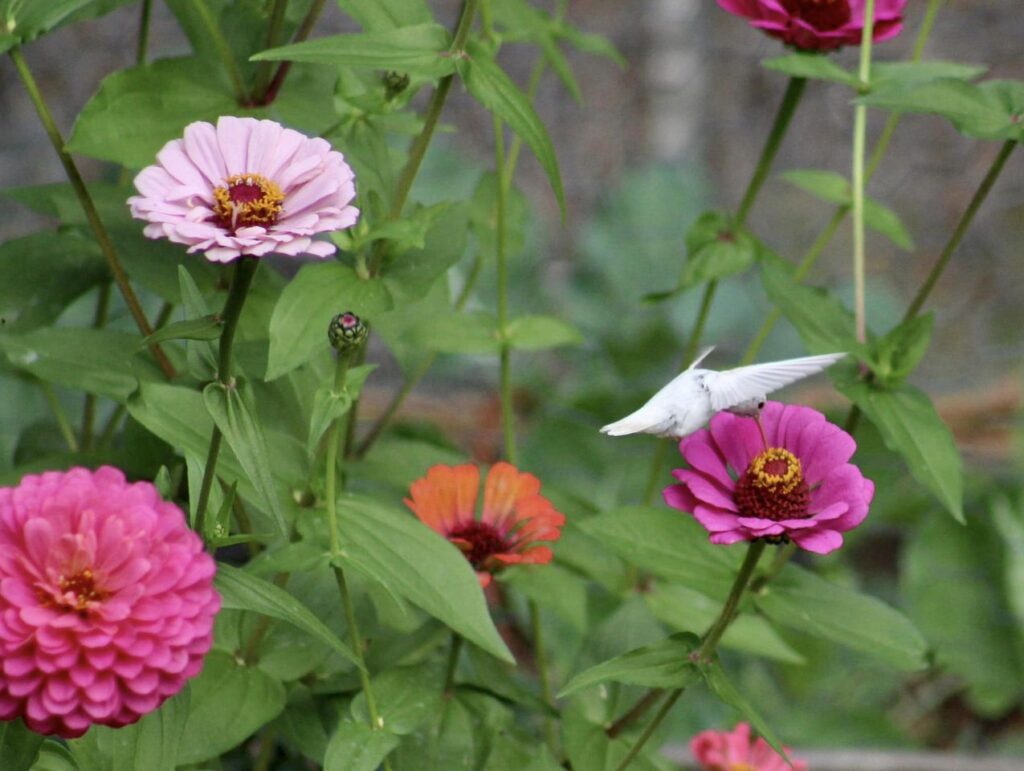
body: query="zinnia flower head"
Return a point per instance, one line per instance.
(733, 751)
(798, 488)
(246, 187)
(819, 25)
(514, 517)
(106, 600)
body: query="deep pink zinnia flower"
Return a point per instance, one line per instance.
(819, 25)
(246, 187)
(798, 488)
(106, 600)
(733, 751)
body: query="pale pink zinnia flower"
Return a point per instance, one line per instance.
(246, 187)
(819, 25)
(106, 600)
(798, 488)
(733, 751)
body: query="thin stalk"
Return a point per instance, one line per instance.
(505, 357)
(301, 34)
(635, 712)
(99, 320)
(860, 128)
(263, 71)
(703, 653)
(268, 749)
(353, 415)
(143, 41)
(63, 424)
(418, 148)
(107, 434)
(961, 229)
(241, 280)
(651, 728)
(540, 658)
(89, 207)
(227, 57)
(453, 663)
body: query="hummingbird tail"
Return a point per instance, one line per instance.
(640, 422)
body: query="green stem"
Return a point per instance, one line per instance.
(89, 207)
(143, 42)
(241, 280)
(301, 34)
(227, 57)
(790, 100)
(505, 357)
(418, 148)
(860, 127)
(650, 729)
(263, 72)
(99, 320)
(540, 657)
(107, 434)
(635, 712)
(453, 663)
(62, 419)
(961, 228)
(268, 748)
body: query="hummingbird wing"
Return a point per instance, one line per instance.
(735, 386)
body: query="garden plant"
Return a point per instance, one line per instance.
(216, 553)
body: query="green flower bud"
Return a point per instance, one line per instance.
(347, 331)
(394, 83)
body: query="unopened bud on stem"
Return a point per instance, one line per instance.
(346, 332)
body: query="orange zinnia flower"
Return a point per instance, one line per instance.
(515, 515)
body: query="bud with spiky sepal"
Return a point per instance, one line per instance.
(394, 83)
(346, 332)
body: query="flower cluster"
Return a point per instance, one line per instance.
(106, 600)
(734, 751)
(514, 518)
(819, 25)
(246, 187)
(791, 482)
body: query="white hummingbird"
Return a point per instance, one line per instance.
(694, 396)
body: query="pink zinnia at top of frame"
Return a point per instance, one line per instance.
(734, 751)
(794, 483)
(246, 187)
(819, 25)
(106, 600)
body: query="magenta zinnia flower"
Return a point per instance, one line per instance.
(106, 600)
(798, 488)
(819, 25)
(246, 187)
(733, 751)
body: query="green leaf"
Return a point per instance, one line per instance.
(423, 567)
(242, 590)
(329, 405)
(1008, 521)
(814, 66)
(18, 745)
(588, 746)
(910, 426)
(407, 697)
(727, 692)
(387, 14)
(665, 664)
(835, 188)
(97, 361)
(667, 543)
(206, 328)
(890, 73)
(22, 21)
(418, 50)
(410, 273)
(799, 599)
(298, 325)
(56, 757)
(715, 249)
(468, 333)
(234, 413)
(989, 110)
(43, 273)
(137, 110)
(357, 747)
(230, 702)
(896, 355)
(822, 322)
(490, 86)
(536, 333)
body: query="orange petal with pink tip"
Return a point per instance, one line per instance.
(504, 488)
(446, 496)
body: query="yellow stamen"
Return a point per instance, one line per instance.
(765, 468)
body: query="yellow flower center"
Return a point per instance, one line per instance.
(247, 200)
(773, 487)
(776, 469)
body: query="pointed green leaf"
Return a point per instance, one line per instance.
(329, 405)
(407, 697)
(665, 664)
(241, 590)
(206, 328)
(387, 14)
(537, 333)
(898, 353)
(22, 21)
(811, 65)
(472, 332)
(18, 745)
(489, 85)
(234, 413)
(423, 567)
(357, 747)
(727, 692)
(799, 599)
